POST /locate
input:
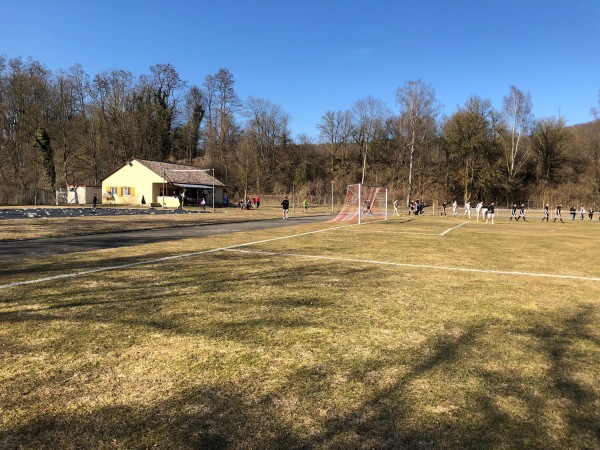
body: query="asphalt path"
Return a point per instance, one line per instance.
(39, 248)
(75, 211)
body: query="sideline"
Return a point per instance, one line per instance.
(418, 266)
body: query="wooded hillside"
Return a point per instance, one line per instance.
(69, 128)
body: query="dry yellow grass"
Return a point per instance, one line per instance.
(272, 347)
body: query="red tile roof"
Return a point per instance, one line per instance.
(171, 174)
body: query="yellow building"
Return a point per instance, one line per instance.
(143, 182)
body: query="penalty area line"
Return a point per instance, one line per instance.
(418, 266)
(453, 228)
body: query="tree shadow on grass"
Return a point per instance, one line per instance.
(215, 417)
(395, 414)
(562, 343)
(483, 422)
(228, 415)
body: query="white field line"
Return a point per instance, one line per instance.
(453, 228)
(264, 241)
(418, 266)
(166, 258)
(443, 233)
(410, 233)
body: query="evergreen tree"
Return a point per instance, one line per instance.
(42, 143)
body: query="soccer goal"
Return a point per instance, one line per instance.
(363, 203)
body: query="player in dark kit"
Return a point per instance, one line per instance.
(490, 213)
(285, 204)
(522, 213)
(513, 212)
(546, 213)
(558, 211)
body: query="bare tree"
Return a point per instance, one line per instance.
(591, 148)
(334, 130)
(418, 113)
(112, 96)
(244, 162)
(221, 105)
(368, 119)
(267, 128)
(517, 122)
(549, 139)
(159, 98)
(469, 140)
(596, 111)
(68, 105)
(195, 110)
(25, 94)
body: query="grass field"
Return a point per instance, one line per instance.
(419, 332)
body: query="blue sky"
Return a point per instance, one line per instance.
(312, 56)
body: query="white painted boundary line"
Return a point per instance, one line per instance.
(404, 233)
(453, 228)
(417, 266)
(264, 241)
(443, 233)
(166, 258)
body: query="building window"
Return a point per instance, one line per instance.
(113, 191)
(126, 191)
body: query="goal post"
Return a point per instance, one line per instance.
(363, 203)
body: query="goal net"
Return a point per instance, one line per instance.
(363, 203)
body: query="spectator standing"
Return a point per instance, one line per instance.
(591, 213)
(573, 212)
(582, 212)
(454, 208)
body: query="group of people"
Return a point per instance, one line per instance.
(184, 199)
(253, 203)
(582, 213)
(518, 212)
(513, 212)
(416, 207)
(572, 211)
(487, 211)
